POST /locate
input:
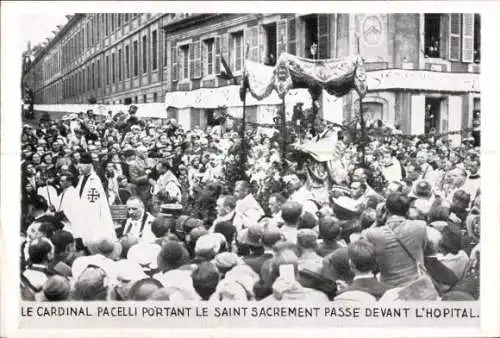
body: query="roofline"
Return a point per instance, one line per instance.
(186, 22)
(74, 19)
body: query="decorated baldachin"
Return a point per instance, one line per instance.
(346, 127)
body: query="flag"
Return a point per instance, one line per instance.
(226, 74)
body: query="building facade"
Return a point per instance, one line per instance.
(423, 69)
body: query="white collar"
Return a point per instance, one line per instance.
(139, 219)
(364, 275)
(269, 251)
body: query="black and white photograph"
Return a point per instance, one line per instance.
(270, 158)
(219, 157)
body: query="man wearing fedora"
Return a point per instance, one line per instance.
(94, 207)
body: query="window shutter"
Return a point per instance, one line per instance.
(173, 56)
(281, 37)
(217, 55)
(204, 59)
(468, 37)
(455, 40)
(197, 59)
(292, 36)
(180, 63)
(253, 39)
(262, 44)
(224, 49)
(323, 36)
(191, 60)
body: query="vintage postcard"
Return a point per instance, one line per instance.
(231, 167)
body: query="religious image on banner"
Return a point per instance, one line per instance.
(282, 79)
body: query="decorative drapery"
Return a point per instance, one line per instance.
(337, 77)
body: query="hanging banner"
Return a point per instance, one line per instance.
(423, 80)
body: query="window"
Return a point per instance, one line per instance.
(311, 35)
(136, 59)
(98, 73)
(93, 76)
(127, 62)
(185, 62)
(237, 51)
(87, 85)
(210, 55)
(135, 99)
(92, 32)
(106, 23)
(155, 97)
(270, 44)
(476, 111)
(477, 38)
(112, 22)
(101, 25)
(80, 82)
(119, 20)
(87, 43)
(144, 98)
(94, 35)
(113, 68)
(120, 64)
(126, 17)
(432, 114)
(144, 54)
(155, 49)
(107, 70)
(165, 54)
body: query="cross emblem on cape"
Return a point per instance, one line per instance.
(93, 195)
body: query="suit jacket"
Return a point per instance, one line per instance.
(135, 171)
(396, 266)
(256, 262)
(370, 285)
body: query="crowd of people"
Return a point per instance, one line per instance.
(121, 208)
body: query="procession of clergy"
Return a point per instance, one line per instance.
(408, 219)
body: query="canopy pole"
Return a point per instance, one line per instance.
(362, 123)
(243, 147)
(284, 134)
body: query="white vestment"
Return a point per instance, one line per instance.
(94, 208)
(50, 194)
(69, 203)
(393, 172)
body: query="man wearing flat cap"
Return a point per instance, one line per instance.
(94, 208)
